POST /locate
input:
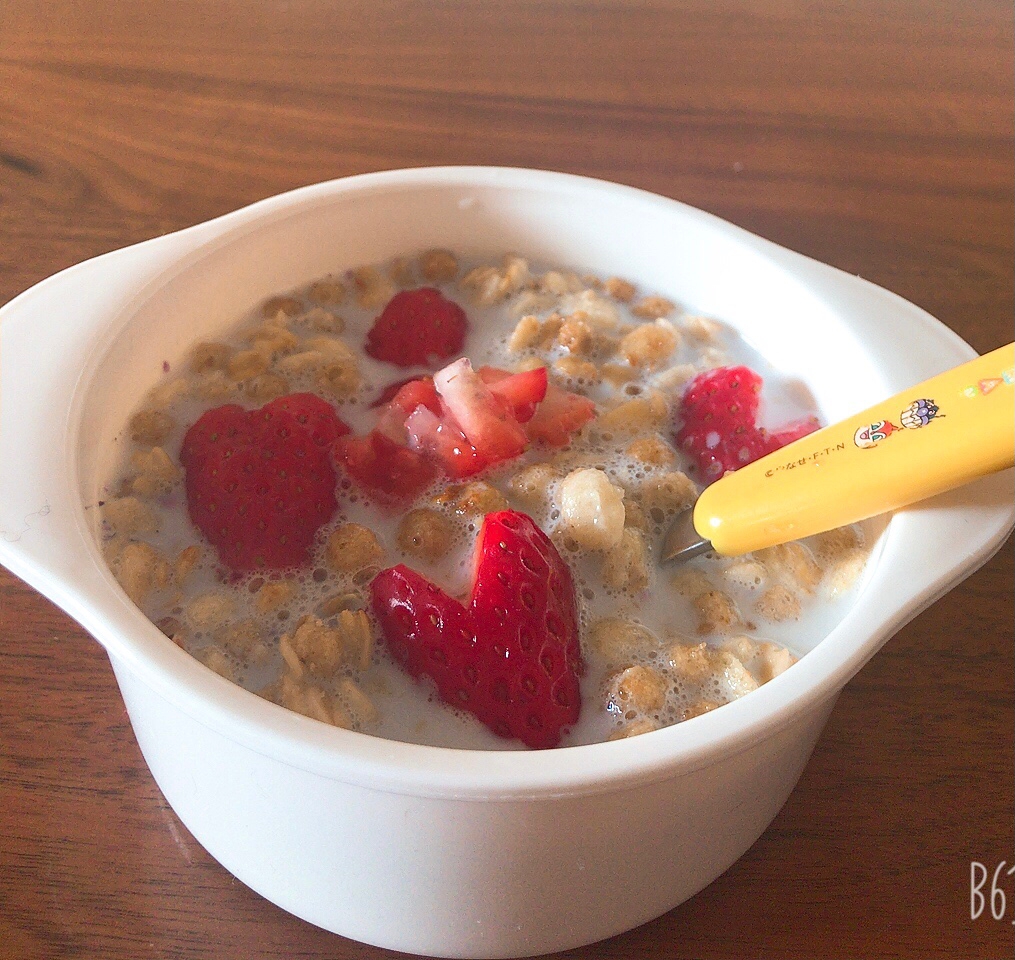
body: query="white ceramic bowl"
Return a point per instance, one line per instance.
(422, 849)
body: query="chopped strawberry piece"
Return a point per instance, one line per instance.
(389, 392)
(260, 483)
(559, 416)
(417, 393)
(391, 473)
(484, 420)
(490, 375)
(416, 328)
(719, 412)
(411, 394)
(464, 420)
(521, 391)
(440, 439)
(512, 656)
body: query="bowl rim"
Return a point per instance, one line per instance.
(135, 644)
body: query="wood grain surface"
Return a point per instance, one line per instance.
(875, 135)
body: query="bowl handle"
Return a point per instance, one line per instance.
(47, 334)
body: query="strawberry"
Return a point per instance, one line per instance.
(428, 632)
(391, 473)
(486, 421)
(460, 421)
(719, 410)
(390, 392)
(416, 328)
(314, 414)
(790, 432)
(260, 483)
(523, 595)
(420, 391)
(560, 415)
(511, 657)
(411, 394)
(736, 391)
(441, 440)
(522, 392)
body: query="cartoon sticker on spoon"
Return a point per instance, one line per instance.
(918, 414)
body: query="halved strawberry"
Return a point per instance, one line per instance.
(733, 392)
(790, 432)
(524, 600)
(522, 392)
(559, 416)
(719, 412)
(484, 420)
(512, 657)
(260, 483)
(314, 414)
(390, 472)
(427, 632)
(416, 328)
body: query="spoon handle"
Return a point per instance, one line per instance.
(940, 434)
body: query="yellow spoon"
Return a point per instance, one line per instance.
(940, 434)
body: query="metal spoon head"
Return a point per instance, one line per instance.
(682, 542)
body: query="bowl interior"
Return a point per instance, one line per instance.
(809, 321)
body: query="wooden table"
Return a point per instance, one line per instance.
(876, 136)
